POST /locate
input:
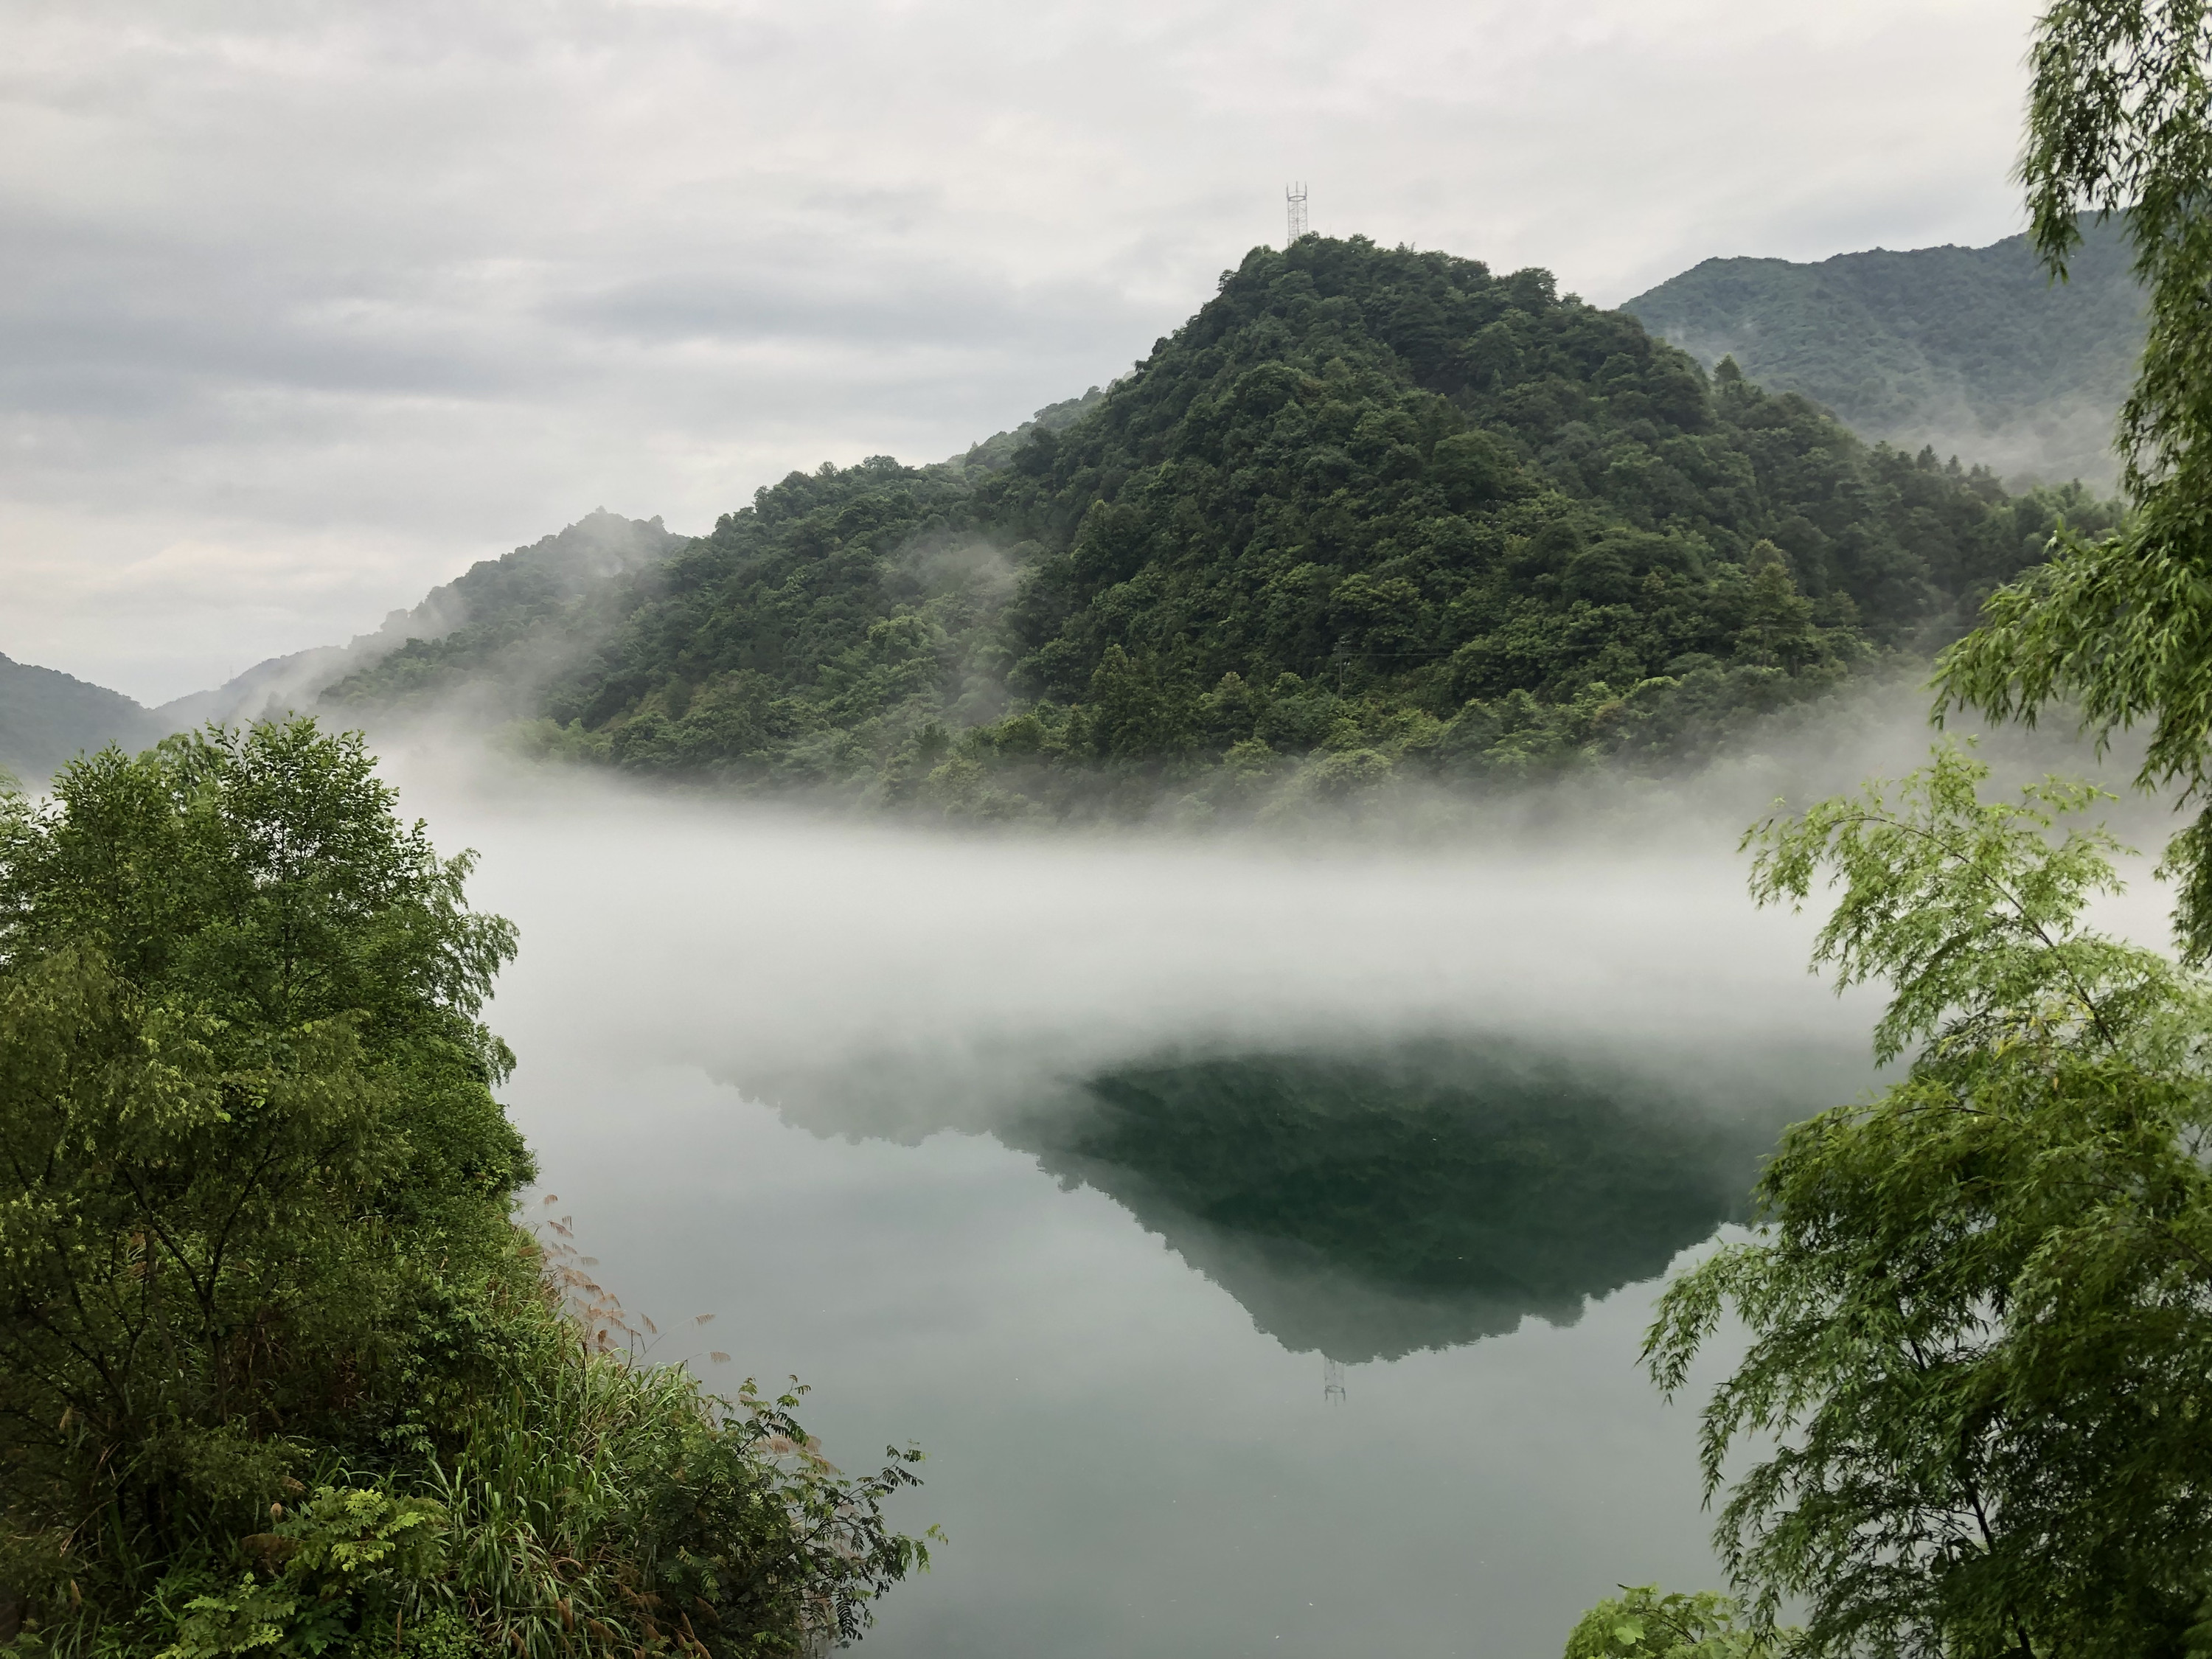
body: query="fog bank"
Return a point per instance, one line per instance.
(884, 979)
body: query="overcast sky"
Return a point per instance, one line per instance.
(304, 306)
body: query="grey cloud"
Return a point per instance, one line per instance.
(813, 300)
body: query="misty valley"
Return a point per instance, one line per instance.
(1447, 971)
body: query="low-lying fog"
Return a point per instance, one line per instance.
(771, 949)
(1282, 1351)
(840, 967)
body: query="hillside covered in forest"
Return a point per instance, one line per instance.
(47, 716)
(1368, 512)
(1973, 350)
(495, 605)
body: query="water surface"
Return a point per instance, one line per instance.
(1258, 1240)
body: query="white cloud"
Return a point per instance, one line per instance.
(365, 293)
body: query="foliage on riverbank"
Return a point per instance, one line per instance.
(278, 1370)
(1644, 1622)
(1980, 1303)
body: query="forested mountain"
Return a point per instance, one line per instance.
(1971, 351)
(483, 612)
(47, 716)
(1371, 512)
(1368, 512)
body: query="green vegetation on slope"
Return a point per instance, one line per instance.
(1973, 350)
(47, 716)
(278, 1372)
(1370, 511)
(493, 617)
(999, 450)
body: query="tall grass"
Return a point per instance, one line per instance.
(584, 1501)
(600, 1503)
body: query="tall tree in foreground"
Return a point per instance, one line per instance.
(246, 1137)
(278, 1374)
(1980, 1304)
(2120, 627)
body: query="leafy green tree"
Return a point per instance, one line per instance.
(246, 1129)
(1980, 1305)
(1643, 1622)
(255, 1233)
(1778, 621)
(1134, 716)
(2118, 628)
(1981, 1302)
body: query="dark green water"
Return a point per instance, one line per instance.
(1369, 1203)
(1281, 1353)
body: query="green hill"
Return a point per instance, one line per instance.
(47, 716)
(483, 612)
(1368, 512)
(1971, 351)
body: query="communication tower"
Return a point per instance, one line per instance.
(1332, 1381)
(1295, 195)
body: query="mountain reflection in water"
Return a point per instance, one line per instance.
(1369, 1102)
(1368, 1201)
(1422, 1196)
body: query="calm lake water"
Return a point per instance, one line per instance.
(1257, 1240)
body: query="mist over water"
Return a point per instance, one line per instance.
(764, 946)
(840, 965)
(1257, 1230)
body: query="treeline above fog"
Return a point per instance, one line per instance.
(1371, 512)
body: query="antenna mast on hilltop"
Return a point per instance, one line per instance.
(1296, 196)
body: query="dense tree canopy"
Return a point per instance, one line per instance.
(1369, 509)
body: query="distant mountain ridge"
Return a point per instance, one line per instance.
(493, 601)
(47, 716)
(1971, 351)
